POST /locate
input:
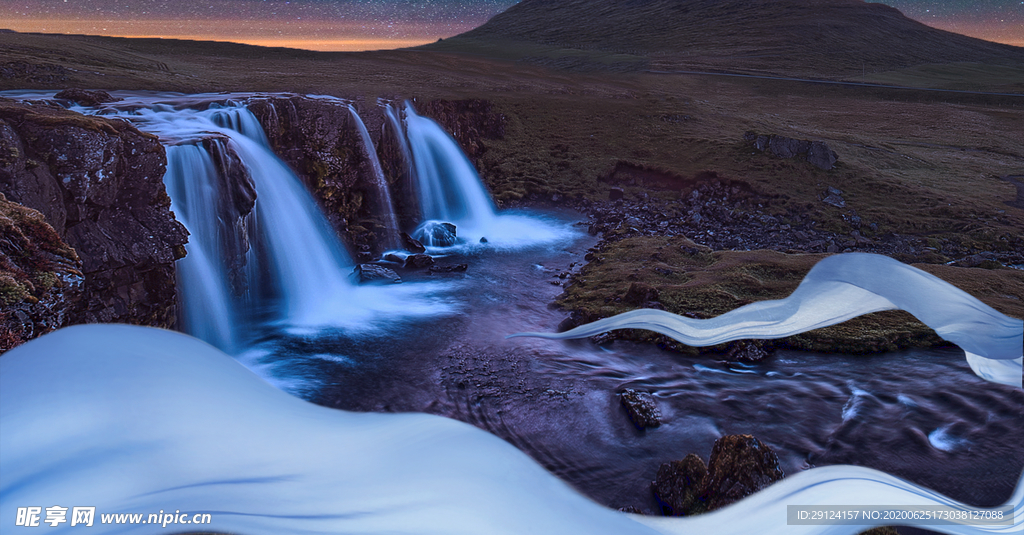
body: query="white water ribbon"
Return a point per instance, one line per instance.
(839, 288)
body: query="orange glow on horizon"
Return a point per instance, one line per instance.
(339, 36)
(323, 36)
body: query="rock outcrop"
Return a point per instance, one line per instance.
(99, 184)
(817, 153)
(678, 485)
(640, 407)
(40, 276)
(740, 465)
(469, 121)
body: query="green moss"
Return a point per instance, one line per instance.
(11, 291)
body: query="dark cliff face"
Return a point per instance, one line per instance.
(40, 276)
(318, 139)
(99, 183)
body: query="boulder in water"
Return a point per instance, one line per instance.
(373, 273)
(748, 351)
(641, 408)
(438, 233)
(419, 261)
(678, 486)
(740, 465)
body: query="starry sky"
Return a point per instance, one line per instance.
(381, 24)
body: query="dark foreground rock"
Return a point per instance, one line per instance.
(449, 268)
(740, 465)
(642, 410)
(747, 351)
(99, 184)
(678, 486)
(412, 244)
(419, 261)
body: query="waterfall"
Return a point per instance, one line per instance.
(385, 206)
(295, 267)
(450, 191)
(190, 180)
(449, 188)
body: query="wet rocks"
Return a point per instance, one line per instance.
(642, 410)
(449, 268)
(412, 244)
(678, 486)
(375, 274)
(438, 233)
(419, 261)
(740, 465)
(99, 183)
(817, 153)
(748, 351)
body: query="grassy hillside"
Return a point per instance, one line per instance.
(817, 38)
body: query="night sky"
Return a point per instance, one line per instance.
(375, 24)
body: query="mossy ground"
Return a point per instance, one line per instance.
(696, 281)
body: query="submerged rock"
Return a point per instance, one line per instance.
(643, 412)
(373, 273)
(419, 261)
(740, 465)
(678, 486)
(449, 268)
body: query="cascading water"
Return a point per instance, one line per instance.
(295, 258)
(450, 191)
(449, 187)
(385, 206)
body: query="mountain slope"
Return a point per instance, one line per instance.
(827, 38)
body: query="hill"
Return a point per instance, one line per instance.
(814, 38)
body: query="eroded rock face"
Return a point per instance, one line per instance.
(678, 486)
(40, 276)
(318, 139)
(469, 121)
(99, 183)
(740, 465)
